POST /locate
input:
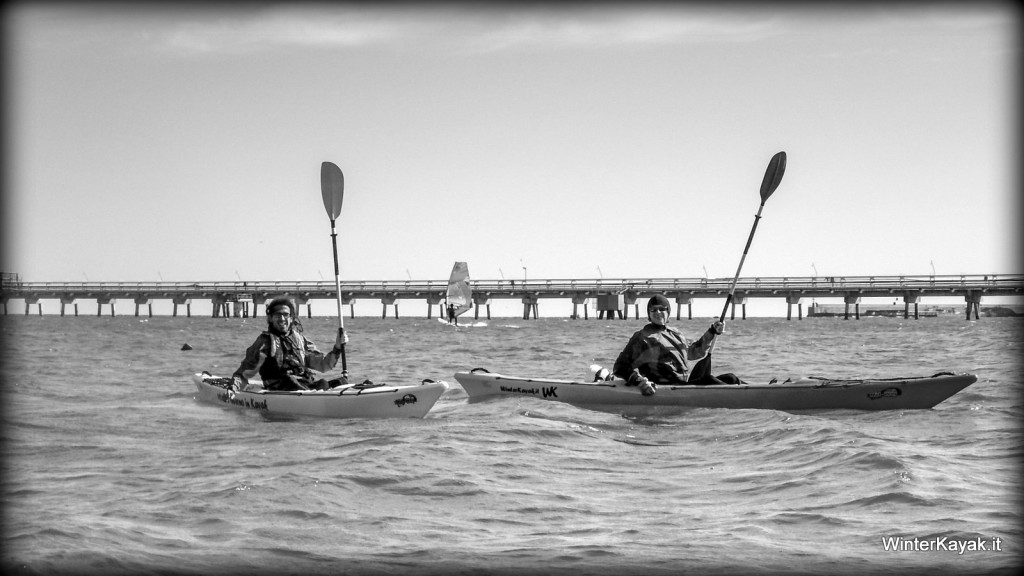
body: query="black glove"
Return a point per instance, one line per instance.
(298, 382)
(634, 378)
(647, 388)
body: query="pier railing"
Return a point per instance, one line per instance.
(990, 284)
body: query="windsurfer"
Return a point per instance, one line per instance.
(459, 294)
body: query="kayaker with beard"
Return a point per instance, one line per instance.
(657, 354)
(283, 358)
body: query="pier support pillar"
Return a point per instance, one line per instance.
(688, 301)
(258, 303)
(608, 305)
(105, 300)
(433, 300)
(973, 300)
(852, 299)
(908, 299)
(29, 301)
(350, 302)
(576, 301)
(481, 300)
(245, 302)
(629, 299)
(388, 300)
(740, 299)
(300, 301)
(143, 301)
(794, 299)
(219, 306)
(529, 306)
(182, 300)
(65, 300)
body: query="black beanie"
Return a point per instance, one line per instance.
(656, 300)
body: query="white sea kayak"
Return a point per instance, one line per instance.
(803, 394)
(346, 401)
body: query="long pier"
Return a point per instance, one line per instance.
(614, 297)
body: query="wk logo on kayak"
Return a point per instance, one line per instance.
(407, 399)
(544, 392)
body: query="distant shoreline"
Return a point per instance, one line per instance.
(898, 310)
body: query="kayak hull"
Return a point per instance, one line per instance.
(805, 394)
(347, 401)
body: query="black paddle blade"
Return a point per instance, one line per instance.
(332, 186)
(773, 175)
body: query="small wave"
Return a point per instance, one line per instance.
(304, 514)
(504, 520)
(573, 554)
(808, 518)
(894, 499)
(374, 481)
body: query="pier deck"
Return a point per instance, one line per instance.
(614, 296)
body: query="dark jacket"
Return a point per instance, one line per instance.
(661, 354)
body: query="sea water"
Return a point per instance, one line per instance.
(111, 466)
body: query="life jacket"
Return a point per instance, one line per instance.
(286, 356)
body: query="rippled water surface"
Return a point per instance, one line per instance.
(111, 466)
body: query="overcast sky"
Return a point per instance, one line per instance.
(181, 143)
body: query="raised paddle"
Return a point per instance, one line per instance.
(772, 177)
(332, 186)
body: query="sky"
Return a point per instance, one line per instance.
(183, 142)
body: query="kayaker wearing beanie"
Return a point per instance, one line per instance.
(657, 354)
(283, 357)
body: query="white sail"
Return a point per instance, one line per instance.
(459, 294)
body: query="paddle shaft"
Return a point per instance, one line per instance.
(732, 289)
(337, 289)
(772, 179)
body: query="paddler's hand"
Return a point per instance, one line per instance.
(341, 340)
(717, 328)
(236, 383)
(647, 388)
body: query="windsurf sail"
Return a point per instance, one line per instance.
(459, 296)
